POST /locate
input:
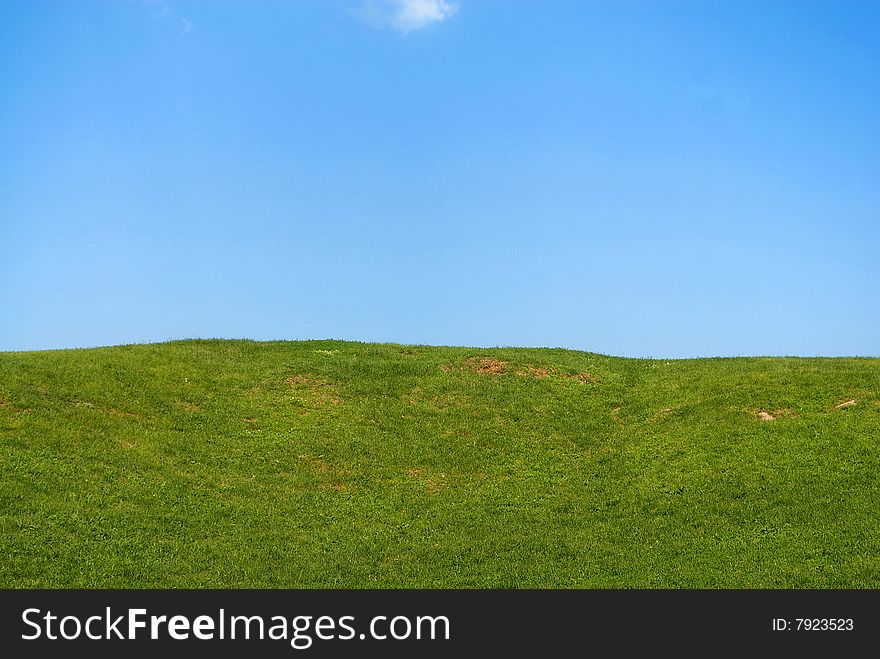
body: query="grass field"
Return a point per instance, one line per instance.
(334, 464)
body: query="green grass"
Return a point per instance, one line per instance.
(323, 464)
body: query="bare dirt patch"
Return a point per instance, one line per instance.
(306, 380)
(487, 365)
(774, 414)
(531, 371)
(316, 465)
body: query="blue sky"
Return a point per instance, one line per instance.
(665, 179)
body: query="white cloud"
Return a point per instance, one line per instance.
(165, 13)
(404, 15)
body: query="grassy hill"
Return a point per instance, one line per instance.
(334, 464)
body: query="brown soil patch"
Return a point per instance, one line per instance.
(533, 372)
(317, 465)
(487, 365)
(774, 415)
(189, 407)
(845, 404)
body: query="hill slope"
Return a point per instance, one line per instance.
(336, 464)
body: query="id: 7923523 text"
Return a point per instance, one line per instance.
(813, 624)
